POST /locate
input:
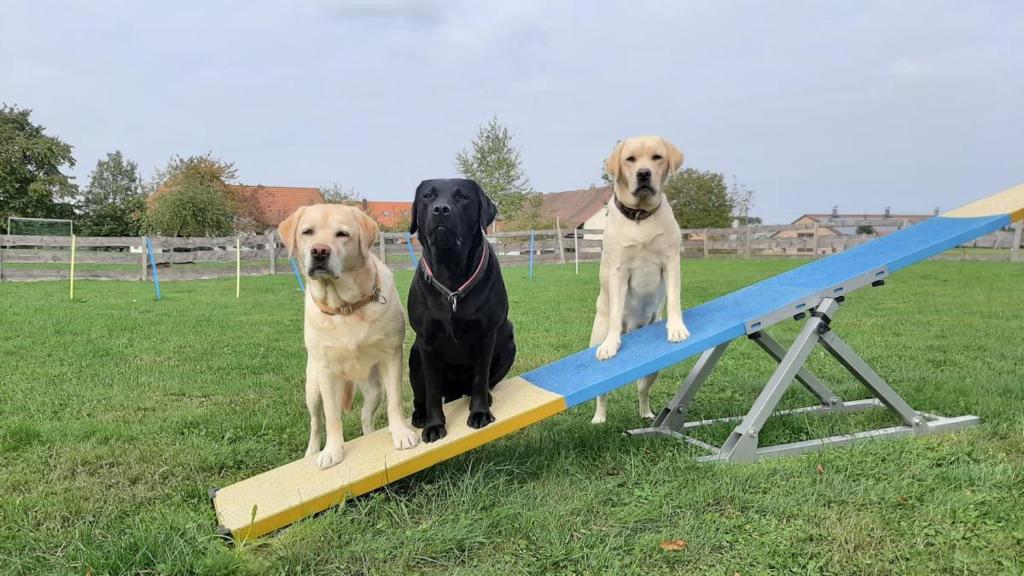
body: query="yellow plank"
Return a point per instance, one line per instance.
(279, 497)
(1009, 201)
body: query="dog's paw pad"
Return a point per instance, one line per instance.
(404, 439)
(478, 420)
(608, 349)
(678, 333)
(329, 457)
(434, 432)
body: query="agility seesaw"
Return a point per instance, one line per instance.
(276, 498)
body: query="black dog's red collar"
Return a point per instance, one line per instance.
(454, 296)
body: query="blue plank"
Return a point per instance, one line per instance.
(581, 377)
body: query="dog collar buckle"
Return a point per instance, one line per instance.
(454, 299)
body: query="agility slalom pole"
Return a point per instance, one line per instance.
(531, 253)
(73, 242)
(152, 264)
(576, 249)
(295, 269)
(238, 267)
(412, 253)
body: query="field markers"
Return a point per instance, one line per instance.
(152, 263)
(531, 253)
(295, 269)
(238, 267)
(412, 253)
(73, 242)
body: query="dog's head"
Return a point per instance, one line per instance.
(449, 213)
(639, 167)
(329, 239)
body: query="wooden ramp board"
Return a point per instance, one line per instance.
(281, 496)
(277, 498)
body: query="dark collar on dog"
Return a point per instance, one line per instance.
(634, 214)
(454, 296)
(347, 309)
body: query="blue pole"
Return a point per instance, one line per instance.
(295, 268)
(152, 263)
(412, 253)
(531, 253)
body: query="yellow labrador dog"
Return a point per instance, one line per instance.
(354, 325)
(640, 255)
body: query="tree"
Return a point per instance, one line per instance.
(742, 199)
(862, 229)
(699, 199)
(193, 198)
(531, 215)
(496, 166)
(31, 181)
(335, 193)
(114, 202)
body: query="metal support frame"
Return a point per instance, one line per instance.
(742, 444)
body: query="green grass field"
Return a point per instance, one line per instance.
(117, 413)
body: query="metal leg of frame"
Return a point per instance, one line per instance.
(672, 417)
(741, 446)
(803, 376)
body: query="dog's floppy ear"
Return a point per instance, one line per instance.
(612, 163)
(368, 231)
(287, 229)
(675, 157)
(415, 206)
(488, 211)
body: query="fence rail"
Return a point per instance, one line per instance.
(125, 258)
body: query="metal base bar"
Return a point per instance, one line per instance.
(742, 443)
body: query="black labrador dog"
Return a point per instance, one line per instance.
(458, 306)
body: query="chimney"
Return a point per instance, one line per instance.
(835, 211)
(887, 212)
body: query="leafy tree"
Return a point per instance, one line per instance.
(496, 166)
(193, 198)
(114, 202)
(531, 215)
(31, 181)
(862, 229)
(335, 193)
(699, 199)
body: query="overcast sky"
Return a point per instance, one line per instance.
(905, 104)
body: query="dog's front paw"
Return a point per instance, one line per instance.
(608, 348)
(419, 417)
(434, 432)
(404, 437)
(478, 420)
(330, 456)
(677, 331)
(312, 449)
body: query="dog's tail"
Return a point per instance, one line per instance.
(347, 393)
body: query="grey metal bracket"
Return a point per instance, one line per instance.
(742, 444)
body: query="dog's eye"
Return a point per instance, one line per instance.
(461, 197)
(631, 159)
(656, 157)
(341, 234)
(307, 232)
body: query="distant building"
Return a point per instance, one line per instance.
(390, 215)
(579, 209)
(827, 228)
(275, 203)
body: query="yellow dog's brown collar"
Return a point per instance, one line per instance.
(346, 308)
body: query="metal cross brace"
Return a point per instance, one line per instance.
(742, 443)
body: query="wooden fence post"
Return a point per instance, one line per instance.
(558, 236)
(814, 241)
(1018, 235)
(143, 271)
(576, 248)
(272, 249)
(748, 241)
(2, 261)
(383, 251)
(705, 242)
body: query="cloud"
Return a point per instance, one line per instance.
(418, 13)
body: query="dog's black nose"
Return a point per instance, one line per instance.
(320, 251)
(643, 175)
(441, 209)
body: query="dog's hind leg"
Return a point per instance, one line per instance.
(315, 405)
(370, 390)
(643, 389)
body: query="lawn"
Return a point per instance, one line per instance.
(118, 412)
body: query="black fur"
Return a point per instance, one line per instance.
(468, 351)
